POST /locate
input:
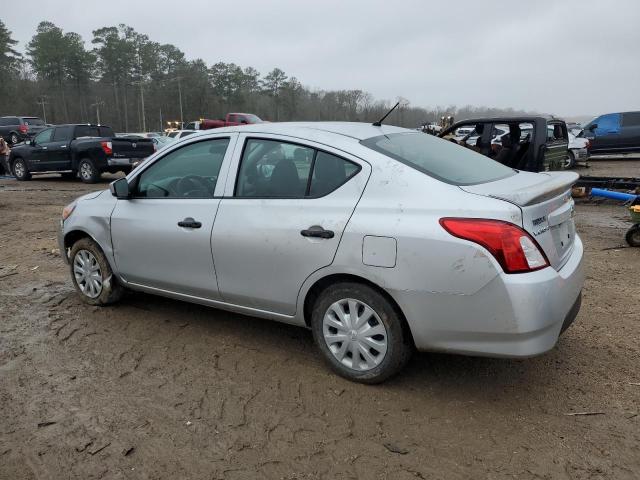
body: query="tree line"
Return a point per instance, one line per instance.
(133, 83)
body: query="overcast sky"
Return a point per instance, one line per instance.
(562, 57)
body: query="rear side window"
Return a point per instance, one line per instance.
(274, 169)
(106, 132)
(439, 158)
(87, 131)
(63, 134)
(631, 119)
(188, 172)
(9, 121)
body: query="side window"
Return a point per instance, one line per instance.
(63, 134)
(608, 124)
(273, 169)
(233, 118)
(44, 136)
(4, 122)
(87, 131)
(188, 172)
(329, 172)
(631, 119)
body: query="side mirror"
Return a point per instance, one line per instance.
(30, 142)
(593, 127)
(120, 189)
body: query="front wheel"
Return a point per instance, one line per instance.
(570, 161)
(20, 170)
(360, 333)
(633, 236)
(88, 171)
(92, 275)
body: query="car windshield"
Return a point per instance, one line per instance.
(438, 158)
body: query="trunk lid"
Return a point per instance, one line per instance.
(132, 147)
(546, 205)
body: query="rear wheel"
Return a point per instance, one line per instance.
(360, 333)
(20, 170)
(88, 171)
(633, 236)
(92, 275)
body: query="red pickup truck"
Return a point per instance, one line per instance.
(231, 120)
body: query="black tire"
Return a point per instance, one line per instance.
(111, 290)
(633, 236)
(570, 162)
(20, 170)
(399, 345)
(13, 138)
(88, 171)
(69, 175)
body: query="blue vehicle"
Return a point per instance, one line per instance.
(614, 133)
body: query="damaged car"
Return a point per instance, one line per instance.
(379, 239)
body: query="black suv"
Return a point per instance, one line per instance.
(16, 129)
(614, 133)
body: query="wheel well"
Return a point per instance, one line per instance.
(324, 282)
(73, 236)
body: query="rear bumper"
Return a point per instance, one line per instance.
(518, 315)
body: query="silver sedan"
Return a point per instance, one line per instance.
(379, 239)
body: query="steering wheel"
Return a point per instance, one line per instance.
(192, 184)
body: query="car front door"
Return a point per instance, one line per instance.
(162, 235)
(631, 131)
(285, 208)
(38, 157)
(605, 137)
(58, 153)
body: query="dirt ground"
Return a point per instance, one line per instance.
(159, 389)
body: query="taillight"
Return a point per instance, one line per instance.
(107, 147)
(23, 129)
(512, 247)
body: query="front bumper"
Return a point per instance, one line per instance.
(63, 250)
(518, 315)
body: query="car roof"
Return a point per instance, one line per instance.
(354, 130)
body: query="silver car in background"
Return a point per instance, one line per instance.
(377, 238)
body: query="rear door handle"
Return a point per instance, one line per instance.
(189, 223)
(317, 231)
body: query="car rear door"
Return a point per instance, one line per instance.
(162, 235)
(557, 146)
(286, 205)
(58, 153)
(630, 131)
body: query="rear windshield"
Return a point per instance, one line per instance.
(35, 121)
(438, 158)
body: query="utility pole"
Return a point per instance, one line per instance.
(144, 121)
(97, 105)
(42, 102)
(161, 125)
(180, 98)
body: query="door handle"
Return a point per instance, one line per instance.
(63, 146)
(317, 231)
(189, 223)
(44, 148)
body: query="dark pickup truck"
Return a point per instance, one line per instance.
(81, 149)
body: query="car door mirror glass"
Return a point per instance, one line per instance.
(120, 189)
